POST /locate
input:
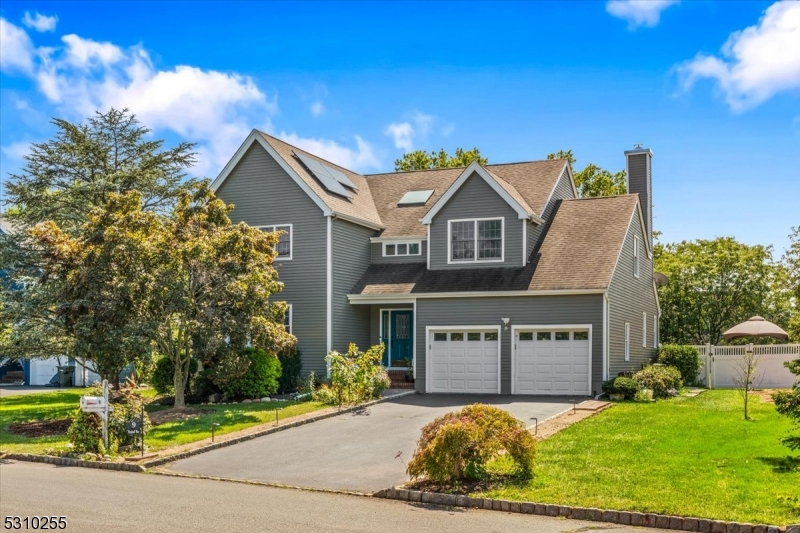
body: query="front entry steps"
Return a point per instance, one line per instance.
(400, 379)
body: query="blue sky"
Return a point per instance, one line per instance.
(713, 88)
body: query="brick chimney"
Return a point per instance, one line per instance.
(639, 181)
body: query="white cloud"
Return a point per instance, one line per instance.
(757, 62)
(360, 158)
(39, 22)
(86, 53)
(317, 108)
(402, 133)
(638, 13)
(16, 151)
(16, 52)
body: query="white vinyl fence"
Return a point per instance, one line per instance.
(722, 364)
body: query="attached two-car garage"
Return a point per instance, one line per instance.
(545, 360)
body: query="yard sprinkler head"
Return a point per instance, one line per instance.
(214, 425)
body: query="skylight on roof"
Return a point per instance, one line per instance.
(330, 178)
(415, 197)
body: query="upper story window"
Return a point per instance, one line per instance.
(284, 246)
(287, 318)
(402, 248)
(475, 240)
(636, 248)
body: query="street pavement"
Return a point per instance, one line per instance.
(356, 452)
(102, 500)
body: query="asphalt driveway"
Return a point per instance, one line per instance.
(356, 451)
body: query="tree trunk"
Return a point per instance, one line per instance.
(178, 382)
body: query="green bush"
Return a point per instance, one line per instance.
(203, 384)
(259, 380)
(358, 376)
(621, 385)
(291, 367)
(643, 396)
(86, 432)
(459, 445)
(660, 379)
(685, 358)
(787, 403)
(163, 379)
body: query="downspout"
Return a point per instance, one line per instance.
(329, 282)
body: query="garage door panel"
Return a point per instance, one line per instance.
(551, 363)
(466, 362)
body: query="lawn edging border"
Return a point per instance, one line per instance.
(268, 431)
(652, 520)
(69, 461)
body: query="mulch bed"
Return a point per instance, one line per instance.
(175, 415)
(41, 428)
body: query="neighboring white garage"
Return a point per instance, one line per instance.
(551, 360)
(42, 370)
(463, 360)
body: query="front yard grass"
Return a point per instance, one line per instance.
(686, 456)
(61, 404)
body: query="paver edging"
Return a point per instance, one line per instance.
(69, 461)
(653, 520)
(268, 431)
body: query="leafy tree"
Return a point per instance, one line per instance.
(422, 160)
(787, 403)
(593, 181)
(63, 181)
(713, 285)
(791, 265)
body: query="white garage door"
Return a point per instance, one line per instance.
(552, 361)
(464, 360)
(42, 370)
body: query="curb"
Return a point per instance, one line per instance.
(217, 445)
(652, 520)
(68, 461)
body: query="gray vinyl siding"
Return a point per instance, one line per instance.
(522, 310)
(350, 260)
(264, 194)
(476, 199)
(376, 252)
(563, 190)
(628, 297)
(639, 181)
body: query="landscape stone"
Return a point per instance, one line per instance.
(719, 527)
(578, 513)
(746, 528)
(593, 514)
(610, 516)
(527, 507)
(551, 510)
(540, 509)
(514, 507)
(733, 527)
(247, 401)
(690, 524)
(662, 522)
(704, 526)
(675, 522)
(649, 520)
(265, 399)
(637, 519)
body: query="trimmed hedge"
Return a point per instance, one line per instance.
(621, 385)
(685, 358)
(660, 379)
(259, 380)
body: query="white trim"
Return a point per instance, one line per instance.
(476, 168)
(414, 348)
(431, 329)
(475, 259)
(655, 291)
(291, 316)
(291, 239)
(655, 332)
(329, 290)
(524, 242)
(401, 238)
(409, 298)
(255, 136)
(606, 338)
(546, 327)
(637, 267)
(359, 221)
(627, 341)
(644, 329)
(396, 243)
(429, 246)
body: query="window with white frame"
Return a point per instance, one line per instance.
(284, 246)
(395, 249)
(476, 240)
(636, 256)
(627, 341)
(287, 318)
(644, 329)
(655, 331)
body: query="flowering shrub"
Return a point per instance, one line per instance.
(459, 445)
(357, 376)
(660, 379)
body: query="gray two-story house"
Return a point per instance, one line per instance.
(491, 279)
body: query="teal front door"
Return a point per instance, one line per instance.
(398, 335)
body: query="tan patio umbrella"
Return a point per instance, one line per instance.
(756, 327)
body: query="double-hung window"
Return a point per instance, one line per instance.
(476, 240)
(287, 318)
(644, 329)
(636, 256)
(284, 246)
(401, 248)
(627, 341)
(655, 331)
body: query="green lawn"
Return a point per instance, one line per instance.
(54, 405)
(686, 456)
